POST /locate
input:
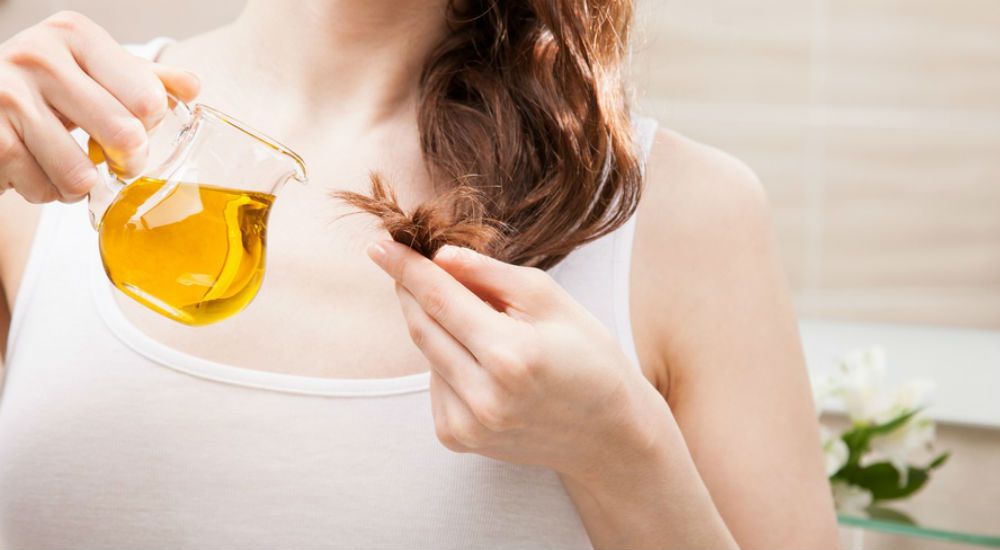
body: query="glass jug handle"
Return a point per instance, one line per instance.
(176, 120)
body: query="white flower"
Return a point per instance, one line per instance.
(915, 394)
(896, 446)
(864, 391)
(823, 390)
(850, 499)
(862, 386)
(867, 399)
(834, 450)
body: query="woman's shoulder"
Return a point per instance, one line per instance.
(697, 197)
(699, 185)
(702, 223)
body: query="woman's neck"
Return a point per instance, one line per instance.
(357, 57)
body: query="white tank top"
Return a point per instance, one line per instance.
(110, 439)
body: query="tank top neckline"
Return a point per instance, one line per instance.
(144, 344)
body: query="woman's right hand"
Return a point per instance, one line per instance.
(65, 73)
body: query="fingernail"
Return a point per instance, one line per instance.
(197, 83)
(377, 253)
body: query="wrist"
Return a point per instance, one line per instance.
(644, 480)
(641, 441)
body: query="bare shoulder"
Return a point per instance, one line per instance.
(18, 219)
(703, 233)
(701, 207)
(705, 191)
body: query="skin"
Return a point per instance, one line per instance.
(712, 443)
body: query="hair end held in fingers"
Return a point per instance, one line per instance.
(456, 217)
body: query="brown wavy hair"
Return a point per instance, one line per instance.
(524, 118)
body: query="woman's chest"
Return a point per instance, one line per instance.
(323, 309)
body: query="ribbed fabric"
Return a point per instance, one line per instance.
(110, 439)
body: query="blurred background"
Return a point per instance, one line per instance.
(875, 127)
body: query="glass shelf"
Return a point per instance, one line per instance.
(897, 520)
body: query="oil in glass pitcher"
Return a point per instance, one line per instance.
(188, 237)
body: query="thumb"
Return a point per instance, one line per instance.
(182, 84)
(503, 285)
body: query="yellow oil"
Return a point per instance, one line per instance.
(192, 252)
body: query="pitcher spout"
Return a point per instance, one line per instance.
(275, 148)
(298, 166)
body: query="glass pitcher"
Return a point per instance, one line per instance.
(187, 238)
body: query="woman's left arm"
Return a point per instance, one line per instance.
(521, 372)
(721, 452)
(716, 331)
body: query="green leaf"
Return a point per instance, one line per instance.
(857, 444)
(858, 439)
(882, 479)
(855, 438)
(890, 426)
(939, 461)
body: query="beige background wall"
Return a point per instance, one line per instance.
(874, 124)
(128, 20)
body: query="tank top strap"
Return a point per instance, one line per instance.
(597, 273)
(645, 134)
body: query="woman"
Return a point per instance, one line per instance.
(648, 390)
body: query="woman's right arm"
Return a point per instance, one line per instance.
(61, 74)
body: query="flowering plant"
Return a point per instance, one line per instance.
(870, 461)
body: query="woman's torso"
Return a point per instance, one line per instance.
(112, 438)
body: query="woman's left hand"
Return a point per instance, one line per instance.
(520, 371)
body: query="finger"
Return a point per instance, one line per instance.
(447, 356)
(59, 156)
(486, 401)
(456, 426)
(184, 85)
(78, 98)
(127, 77)
(470, 320)
(508, 287)
(19, 171)
(439, 397)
